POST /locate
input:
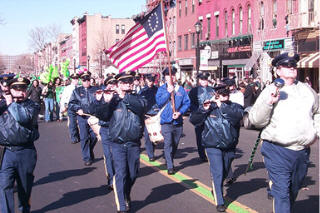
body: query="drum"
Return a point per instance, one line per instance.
(154, 128)
(94, 124)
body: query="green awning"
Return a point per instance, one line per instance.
(236, 65)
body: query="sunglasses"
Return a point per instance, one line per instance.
(19, 88)
(289, 64)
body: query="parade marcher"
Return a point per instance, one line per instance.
(221, 119)
(18, 131)
(136, 84)
(80, 101)
(290, 117)
(34, 92)
(48, 94)
(110, 85)
(171, 120)
(149, 93)
(125, 112)
(197, 96)
(58, 89)
(72, 116)
(235, 96)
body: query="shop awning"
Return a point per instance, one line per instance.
(310, 61)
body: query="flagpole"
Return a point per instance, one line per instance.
(167, 53)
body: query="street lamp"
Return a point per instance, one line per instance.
(198, 29)
(88, 57)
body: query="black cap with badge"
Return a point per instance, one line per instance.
(19, 83)
(125, 76)
(5, 78)
(288, 59)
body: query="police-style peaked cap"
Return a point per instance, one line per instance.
(166, 71)
(125, 76)
(286, 59)
(19, 82)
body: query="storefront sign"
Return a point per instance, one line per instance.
(239, 49)
(273, 45)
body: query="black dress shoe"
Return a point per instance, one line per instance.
(110, 187)
(152, 159)
(128, 204)
(221, 208)
(230, 181)
(171, 172)
(88, 163)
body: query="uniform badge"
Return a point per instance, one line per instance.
(20, 79)
(291, 54)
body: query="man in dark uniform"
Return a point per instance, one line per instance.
(149, 93)
(110, 85)
(290, 118)
(125, 112)
(80, 101)
(197, 96)
(19, 115)
(171, 119)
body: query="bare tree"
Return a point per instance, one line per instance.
(2, 65)
(24, 65)
(39, 36)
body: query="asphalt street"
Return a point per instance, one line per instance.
(64, 184)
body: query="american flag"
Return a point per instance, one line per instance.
(141, 44)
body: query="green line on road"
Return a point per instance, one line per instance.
(196, 186)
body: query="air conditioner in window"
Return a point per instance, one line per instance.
(200, 1)
(207, 36)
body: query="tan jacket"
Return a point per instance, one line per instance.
(294, 121)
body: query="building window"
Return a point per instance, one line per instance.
(186, 41)
(193, 40)
(240, 20)
(201, 30)
(249, 19)
(174, 49)
(289, 6)
(208, 28)
(261, 20)
(186, 8)
(179, 42)
(274, 13)
(217, 26)
(193, 6)
(123, 29)
(226, 23)
(117, 40)
(311, 11)
(180, 8)
(233, 22)
(117, 29)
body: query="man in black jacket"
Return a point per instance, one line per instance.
(18, 131)
(124, 111)
(80, 101)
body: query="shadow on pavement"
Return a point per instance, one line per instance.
(75, 197)
(57, 176)
(309, 205)
(145, 171)
(240, 188)
(241, 168)
(159, 193)
(188, 163)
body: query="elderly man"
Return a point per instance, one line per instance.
(290, 117)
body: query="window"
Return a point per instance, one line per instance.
(179, 8)
(208, 28)
(174, 49)
(240, 20)
(186, 41)
(123, 29)
(201, 31)
(289, 6)
(186, 8)
(226, 23)
(233, 22)
(274, 13)
(193, 6)
(311, 11)
(179, 42)
(261, 21)
(249, 19)
(117, 40)
(193, 40)
(117, 29)
(217, 26)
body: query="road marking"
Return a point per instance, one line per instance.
(195, 186)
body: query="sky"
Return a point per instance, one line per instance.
(20, 16)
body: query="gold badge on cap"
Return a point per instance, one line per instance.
(20, 79)
(291, 54)
(5, 78)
